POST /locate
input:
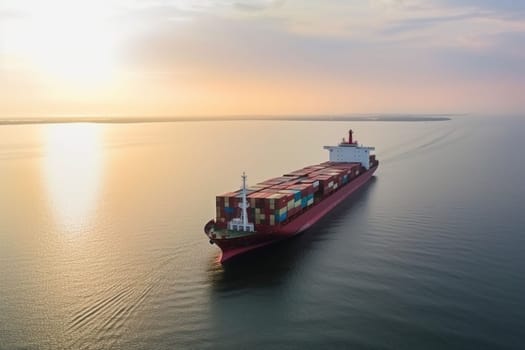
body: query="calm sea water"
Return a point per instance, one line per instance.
(101, 242)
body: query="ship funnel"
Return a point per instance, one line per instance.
(350, 141)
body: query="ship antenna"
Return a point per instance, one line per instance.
(244, 213)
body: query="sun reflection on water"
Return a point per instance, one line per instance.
(73, 168)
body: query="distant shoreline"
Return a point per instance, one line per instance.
(132, 120)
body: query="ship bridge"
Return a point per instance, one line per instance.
(350, 152)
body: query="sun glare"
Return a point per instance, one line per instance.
(72, 169)
(71, 42)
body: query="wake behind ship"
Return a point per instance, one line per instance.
(282, 207)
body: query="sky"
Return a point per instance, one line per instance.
(262, 57)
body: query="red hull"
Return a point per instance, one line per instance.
(232, 247)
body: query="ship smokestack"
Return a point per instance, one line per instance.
(350, 137)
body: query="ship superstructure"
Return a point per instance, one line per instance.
(349, 152)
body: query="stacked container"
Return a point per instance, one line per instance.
(277, 200)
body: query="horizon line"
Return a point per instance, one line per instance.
(368, 117)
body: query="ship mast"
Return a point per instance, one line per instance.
(242, 223)
(244, 204)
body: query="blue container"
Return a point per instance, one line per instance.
(297, 195)
(229, 210)
(282, 217)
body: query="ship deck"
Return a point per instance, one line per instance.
(309, 215)
(228, 234)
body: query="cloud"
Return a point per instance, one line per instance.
(445, 24)
(502, 7)
(418, 23)
(263, 47)
(9, 14)
(255, 6)
(401, 53)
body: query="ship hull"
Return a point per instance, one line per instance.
(233, 247)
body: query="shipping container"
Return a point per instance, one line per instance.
(281, 211)
(281, 217)
(275, 200)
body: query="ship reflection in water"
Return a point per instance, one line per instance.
(72, 170)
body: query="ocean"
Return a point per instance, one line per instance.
(102, 243)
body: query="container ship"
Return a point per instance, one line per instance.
(279, 208)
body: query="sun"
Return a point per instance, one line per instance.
(68, 41)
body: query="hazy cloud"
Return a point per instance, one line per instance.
(306, 54)
(11, 14)
(418, 23)
(260, 5)
(508, 7)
